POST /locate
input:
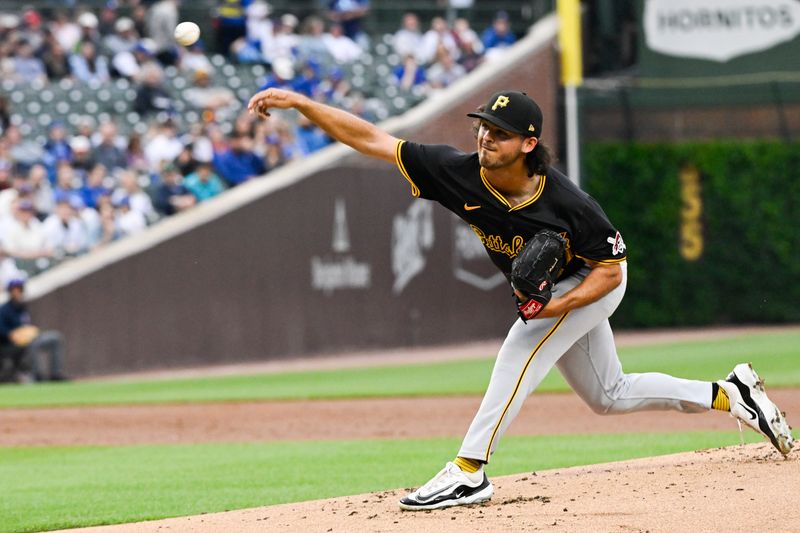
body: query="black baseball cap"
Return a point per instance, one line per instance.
(513, 111)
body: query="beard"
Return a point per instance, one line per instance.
(492, 160)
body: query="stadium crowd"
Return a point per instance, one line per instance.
(88, 183)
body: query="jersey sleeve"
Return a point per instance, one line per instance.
(595, 238)
(423, 166)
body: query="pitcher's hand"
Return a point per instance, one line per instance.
(277, 98)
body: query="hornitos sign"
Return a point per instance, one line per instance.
(719, 30)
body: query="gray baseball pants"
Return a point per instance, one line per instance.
(581, 345)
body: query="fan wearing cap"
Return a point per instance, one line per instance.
(507, 192)
(24, 343)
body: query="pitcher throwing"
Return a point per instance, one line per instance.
(566, 264)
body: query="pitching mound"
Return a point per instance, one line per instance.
(742, 488)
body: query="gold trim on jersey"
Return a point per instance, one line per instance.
(602, 261)
(398, 160)
(502, 198)
(519, 381)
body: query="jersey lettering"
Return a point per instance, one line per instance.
(501, 101)
(495, 243)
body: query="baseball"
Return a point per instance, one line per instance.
(187, 33)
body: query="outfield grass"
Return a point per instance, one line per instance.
(54, 488)
(774, 355)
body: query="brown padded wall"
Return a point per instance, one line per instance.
(239, 288)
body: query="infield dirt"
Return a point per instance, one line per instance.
(742, 488)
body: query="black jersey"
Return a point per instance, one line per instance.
(456, 180)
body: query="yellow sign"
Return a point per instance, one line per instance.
(691, 247)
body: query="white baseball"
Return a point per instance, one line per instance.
(187, 33)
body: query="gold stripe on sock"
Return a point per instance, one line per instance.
(470, 466)
(721, 402)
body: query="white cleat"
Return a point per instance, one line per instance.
(451, 486)
(750, 405)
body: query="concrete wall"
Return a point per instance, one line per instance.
(343, 259)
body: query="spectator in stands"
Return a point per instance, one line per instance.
(438, 36)
(409, 74)
(97, 184)
(334, 88)
(27, 67)
(25, 239)
(32, 30)
(8, 269)
(350, 14)
(308, 80)
(82, 157)
(285, 40)
(108, 18)
(129, 221)
(85, 126)
(204, 183)
(8, 197)
(311, 45)
(123, 39)
(56, 148)
(151, 96)
(163, 146)
(134, 154)
(139, 17)
(230, 23)
(219, 101)
(88, 25)
(281, 76)
(22, 151)
(64, 231)
(185, 161)
(107, 150)
(274, 155)
(199, 145)
(469, 44)
(5, 114)
(239, 162)
(67, 181)
(499, 34)
(105, 231)
(5, 173)
(138, 200)
(342, 48)
(25, 342)
(55, 59)
(310, 137)
(161, 22)
(445, 71)
(65, 31)
(130, 63)
(195, 60)
(260, 31)
(171, 196)
(41, 191)
(408, 39)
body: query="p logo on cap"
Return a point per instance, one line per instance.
(513, 111)
(501, 101)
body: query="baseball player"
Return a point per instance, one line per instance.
(566, 263)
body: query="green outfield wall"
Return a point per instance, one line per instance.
(710, 229)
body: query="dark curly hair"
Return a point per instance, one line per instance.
(536, 160)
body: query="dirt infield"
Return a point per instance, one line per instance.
(743, 488)
(542, 414)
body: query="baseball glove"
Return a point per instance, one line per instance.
(534, 269)
(23, 335)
